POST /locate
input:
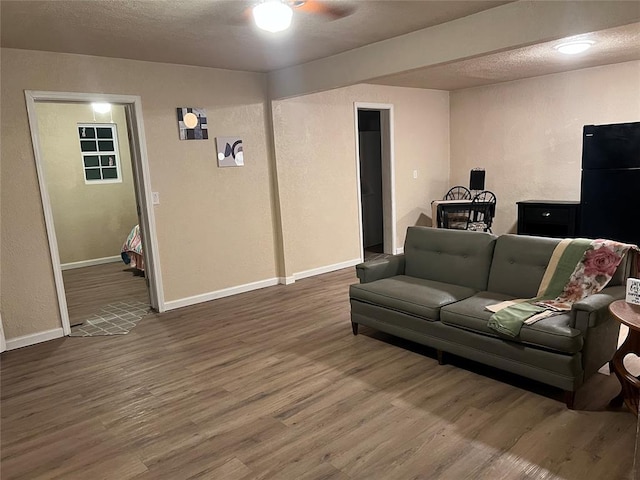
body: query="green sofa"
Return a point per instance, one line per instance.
(435, 293)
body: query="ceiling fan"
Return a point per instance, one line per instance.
(276, 15)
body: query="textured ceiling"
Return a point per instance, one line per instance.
(219, 33)
(615, 45)
(213, 33)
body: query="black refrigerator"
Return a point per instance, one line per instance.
(610, 190)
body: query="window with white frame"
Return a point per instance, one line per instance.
(99, 148)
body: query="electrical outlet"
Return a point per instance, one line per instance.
(155, 198)
(415, 174)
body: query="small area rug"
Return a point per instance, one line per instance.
(113, 319)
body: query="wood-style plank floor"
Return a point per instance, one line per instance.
(90, 288)
(271, 384)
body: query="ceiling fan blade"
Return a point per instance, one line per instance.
(239, 16)
(332, 10)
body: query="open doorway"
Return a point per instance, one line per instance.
(371, 182)
(93, 177)
(374, 144)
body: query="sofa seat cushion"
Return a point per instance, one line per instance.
(553, 333)
(412, 295)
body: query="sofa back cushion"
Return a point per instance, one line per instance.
(450, 256)
(519, 263)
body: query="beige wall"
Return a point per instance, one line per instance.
(91, 220)
(214, 225)
(316, 164)
(217, 227)
(528, 133)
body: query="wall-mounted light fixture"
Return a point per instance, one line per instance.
(101, 107)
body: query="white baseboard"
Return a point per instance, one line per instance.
(91, 263)
(34, 338)
(329, 268)
(399, 251)
(225, 292)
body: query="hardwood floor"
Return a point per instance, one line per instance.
(271, 384)
(90, 288)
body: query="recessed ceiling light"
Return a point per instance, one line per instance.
(575, 47)
(272, 15)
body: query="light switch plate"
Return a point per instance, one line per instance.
(633, 291)
(155, 198)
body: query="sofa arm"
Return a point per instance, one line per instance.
(594, 309)
(381, 268)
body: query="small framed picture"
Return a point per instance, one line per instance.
(230, 151)
(192, 123)
(633, 291)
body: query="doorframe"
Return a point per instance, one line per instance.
(388, 174)
(142, 185)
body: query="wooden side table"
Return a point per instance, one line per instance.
(629, 315)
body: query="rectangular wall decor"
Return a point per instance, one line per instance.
(230, 151)
(192, 123)
(633, 291)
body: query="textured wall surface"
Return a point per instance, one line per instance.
(215, 227)
(316, 163)
(527, 134)
(91, 220)
(28, 296)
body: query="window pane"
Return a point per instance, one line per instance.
(92, 174)
(88, 145)
(109, 173)
(105, 145)
(108, 160)
(86, 132)
(104, 133)
(91, 161)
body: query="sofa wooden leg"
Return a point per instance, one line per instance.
(441, 359)
(569, 398)
(354, 328)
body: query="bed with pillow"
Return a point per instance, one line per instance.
(131, 251)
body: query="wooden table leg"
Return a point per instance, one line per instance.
(618, 400)
(630, 392)
(636, 457)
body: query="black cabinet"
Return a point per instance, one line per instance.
(546, 218)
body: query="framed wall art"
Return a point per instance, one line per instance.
(230, 151)
(192, 123)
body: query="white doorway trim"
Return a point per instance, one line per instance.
(133, 108)
(388, 174)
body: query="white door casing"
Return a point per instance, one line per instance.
(388, 174)
(133, 108)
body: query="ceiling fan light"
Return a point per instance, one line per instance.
(272, 16)
(573, 48)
